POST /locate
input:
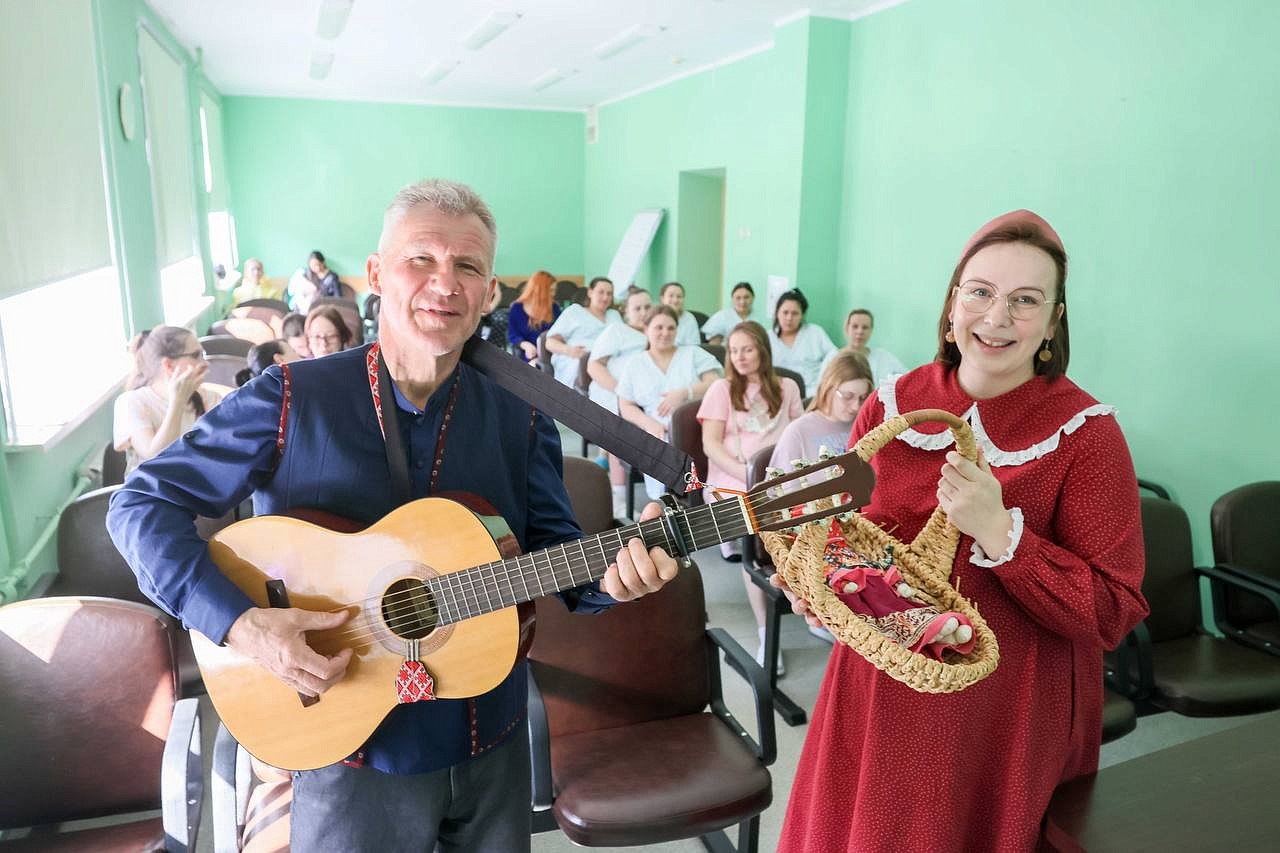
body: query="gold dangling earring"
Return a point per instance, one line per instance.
(950, 336)
(1045, 354)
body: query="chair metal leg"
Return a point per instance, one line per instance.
(717, 842)
(748, 838)
(791, 713)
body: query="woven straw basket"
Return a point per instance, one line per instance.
(925, 564)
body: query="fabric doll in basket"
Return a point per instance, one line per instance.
(876, 592)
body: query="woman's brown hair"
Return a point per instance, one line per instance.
(770, 387)
(334, 316)
(536, 299)
(151, 347)
(1032, 235)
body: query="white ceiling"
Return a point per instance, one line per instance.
(266, 47)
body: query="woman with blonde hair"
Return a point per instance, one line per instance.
(166, 393)
(845, 385)
(532, 314)
(740, 414)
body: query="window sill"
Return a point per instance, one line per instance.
(188, 313)
(44, 438)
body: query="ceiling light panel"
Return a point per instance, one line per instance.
(438, 71)
(549, 79)
(629, 37)
(489, 29)
(333, 18)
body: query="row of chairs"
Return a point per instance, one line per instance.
(659, 689)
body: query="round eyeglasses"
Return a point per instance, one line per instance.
(978, 297)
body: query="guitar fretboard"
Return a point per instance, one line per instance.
(503, 583)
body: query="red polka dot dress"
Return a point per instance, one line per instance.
(885, 768)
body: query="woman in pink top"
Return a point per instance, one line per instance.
(740, 414)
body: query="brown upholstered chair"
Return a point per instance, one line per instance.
(1179, 667)
(590, 495)
(89, 564)
(631, 742)
(277, 305)
(272, 315)
(1246, 542)
(568, 293)
(1119, 716)
(686, 434)
(113, 465)
(701, 317)
(251, 329)
(93, 728)
(225, 345)
(544, 355)
(252, 801)
(792, 375)
(223, 369)
(717, 351)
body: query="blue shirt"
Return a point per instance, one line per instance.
(334, 459)
(519, 329)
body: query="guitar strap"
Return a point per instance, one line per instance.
(397, 461)
(664, 462)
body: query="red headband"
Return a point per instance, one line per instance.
(1011, 219)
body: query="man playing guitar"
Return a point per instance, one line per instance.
(449, 774)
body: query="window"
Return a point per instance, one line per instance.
(64, 348)
(55, 235)
(222, 226)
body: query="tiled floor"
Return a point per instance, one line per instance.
(806, 659)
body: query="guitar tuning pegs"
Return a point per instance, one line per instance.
(797, 464)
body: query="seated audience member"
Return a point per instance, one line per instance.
(718, 325)
(741, 413)
(254, 286)
(531, 315)
(662, 377)
(262, 356)
(845, 384)
(576, 329)
(798, 345)
(293, 328)
(315, 280)
(857, 334)
(493, 322)
(609, 354)
(687, 332)
(326, 331)
(166, 393)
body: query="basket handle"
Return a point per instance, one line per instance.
(886, 432)
(939, 537)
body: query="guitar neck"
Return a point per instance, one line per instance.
(503, 583)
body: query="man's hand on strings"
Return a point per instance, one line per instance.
(637, 572)
(275, 637)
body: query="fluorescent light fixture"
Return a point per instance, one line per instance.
(489, 29)
(321, 64)
(549, 78)
(437, 71)
(629, 37)
(333, 18)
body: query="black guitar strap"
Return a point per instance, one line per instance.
(660, 460)
(397, 462)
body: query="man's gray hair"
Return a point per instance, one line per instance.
(447, 197)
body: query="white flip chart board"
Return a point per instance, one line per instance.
(634, 246)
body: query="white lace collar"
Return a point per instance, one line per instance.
(998, 457)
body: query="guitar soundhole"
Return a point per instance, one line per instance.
(409, 609)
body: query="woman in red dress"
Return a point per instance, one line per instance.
(1051, 555)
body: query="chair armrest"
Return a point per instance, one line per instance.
(1253, 577)
(539, 748)
(1155, 488)
(1136, 643)
(757, 679)
(182, 778)
(1241, 578)
(231, 781)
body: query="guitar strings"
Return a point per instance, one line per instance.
(501, 571)
(463, 583)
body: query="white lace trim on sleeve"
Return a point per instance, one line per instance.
(979, 557)
(998, 457)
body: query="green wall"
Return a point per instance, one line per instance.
(318, 174)
(745, 118)
(700, 241)
(35, 481)
(1146, 133)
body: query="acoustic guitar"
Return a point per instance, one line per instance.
(430, 582)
